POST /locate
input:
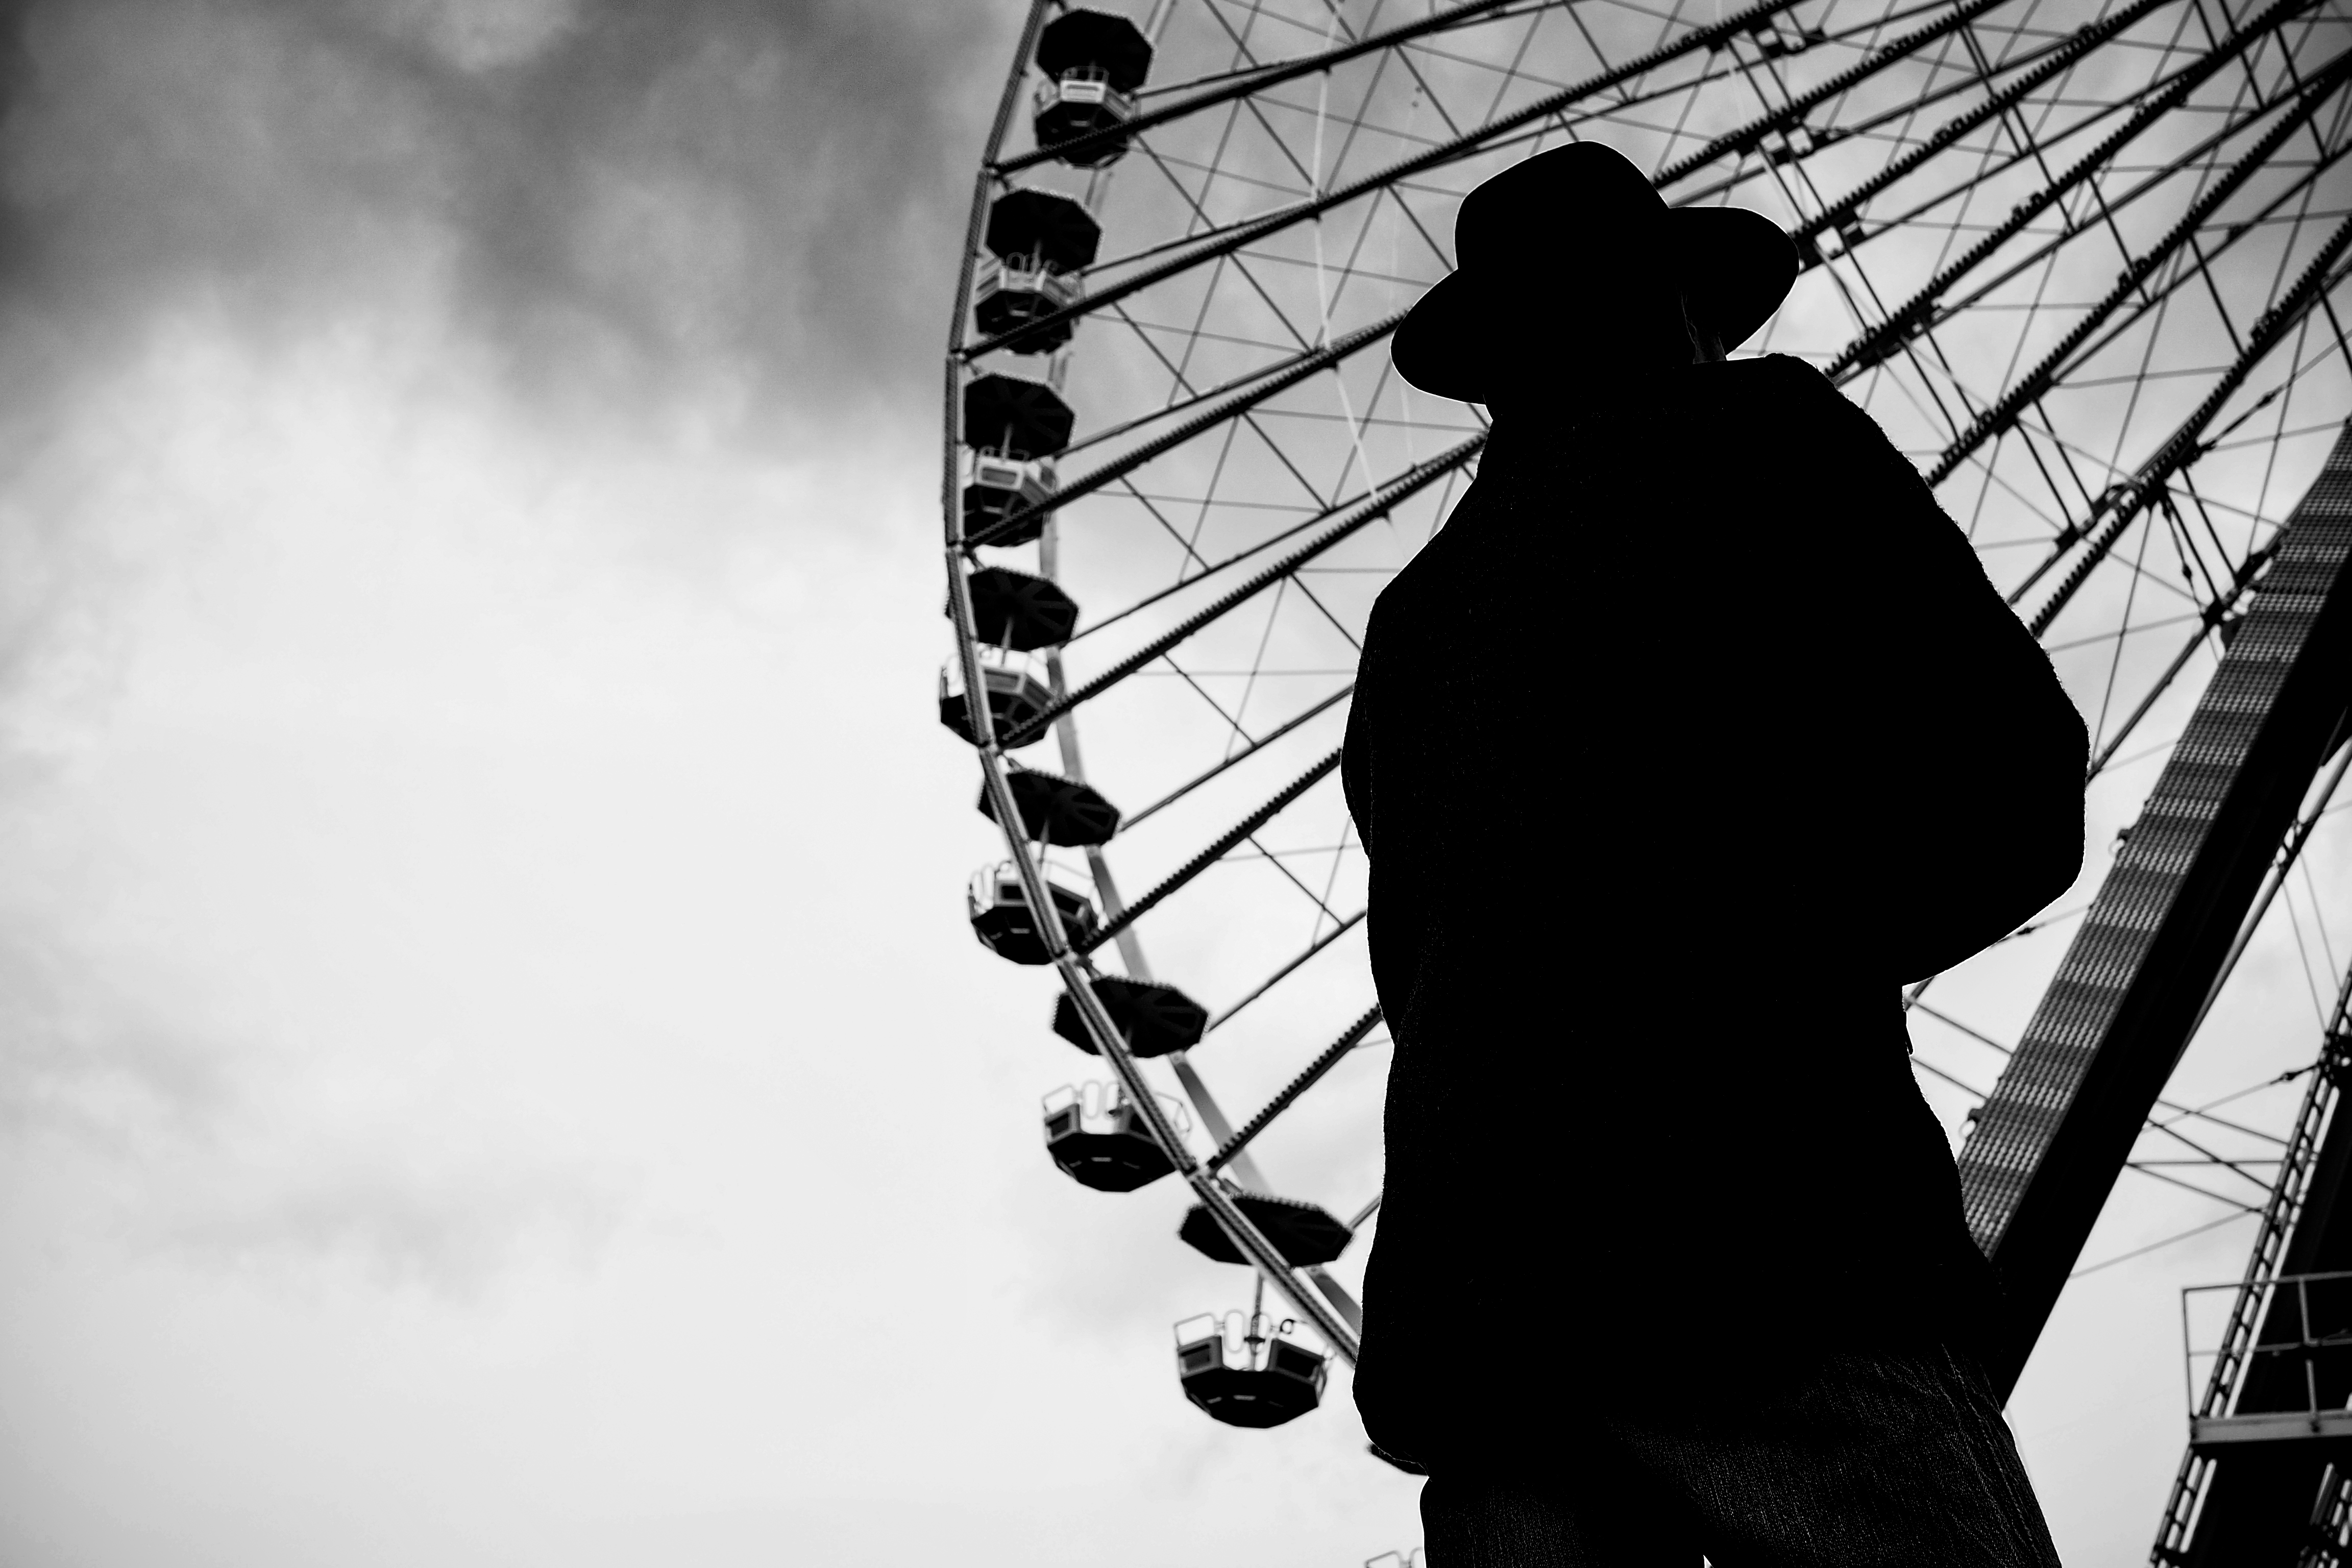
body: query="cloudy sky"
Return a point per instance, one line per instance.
(492, 1067)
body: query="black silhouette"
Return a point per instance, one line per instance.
(1695, 733)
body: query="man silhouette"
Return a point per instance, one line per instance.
(1695, 734)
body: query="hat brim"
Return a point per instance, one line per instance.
(1734, 266)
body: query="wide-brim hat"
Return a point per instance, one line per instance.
(1571, 229)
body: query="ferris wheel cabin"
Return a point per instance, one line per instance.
(1155, 1019)
(1013, 427)
(1015, 610)
(1002, 920)
(1038, 242)
(1018, 694)
(1001, 490)
(1094, 63)
(1098, 1138)
(1306, 1235)
(1247, 1370)
(1012, 418)
(1013, 615)
(1055, 810)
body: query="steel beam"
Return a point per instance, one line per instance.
(2049, 1142)
(2259, 1499)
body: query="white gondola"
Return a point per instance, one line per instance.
(1000, 917)
(1094, 62)
(1017, 686)
(998, 487)
(1017, 289)
(1247, 1370)
(1098, 1138)
(1080, 103)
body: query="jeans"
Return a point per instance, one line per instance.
(1871, 1461)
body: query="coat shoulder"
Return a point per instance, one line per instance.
(1782, 370)
(1786, 385)
(1792, 405)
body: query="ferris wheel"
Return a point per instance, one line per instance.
(2086, 263)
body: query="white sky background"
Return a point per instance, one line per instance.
(494, 1069)
(492, 1066)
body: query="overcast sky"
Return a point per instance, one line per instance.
(492, 1067)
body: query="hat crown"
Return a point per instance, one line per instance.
(1576, 197)
(1578, 232)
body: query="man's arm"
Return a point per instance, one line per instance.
(1982, 754)
(1356, 757)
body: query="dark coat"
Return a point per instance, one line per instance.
(1695, 733)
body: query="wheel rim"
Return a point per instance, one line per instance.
(2083, 264)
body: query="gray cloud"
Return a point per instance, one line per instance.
(78, 1056)
(737, 216)
(452, 1227)
(628, 204)
(205, 1161)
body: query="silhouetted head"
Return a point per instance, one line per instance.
(1570, 270)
